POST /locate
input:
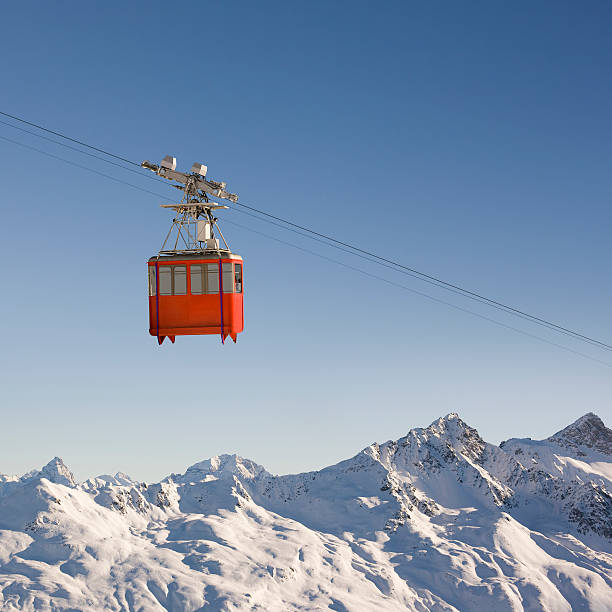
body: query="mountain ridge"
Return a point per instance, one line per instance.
(438, 519)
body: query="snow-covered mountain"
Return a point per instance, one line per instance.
(437, 520)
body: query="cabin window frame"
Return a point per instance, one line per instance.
(212, 288)
(227, 269)
(201, 275)
(174, 275)
(161, 274)
(237, 277)
(152, 282)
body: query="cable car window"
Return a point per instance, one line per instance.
(152, 287)
(228, 278)
(180, 280)
(238, 277)
(165, 280)
(212, 278)
(196, 279)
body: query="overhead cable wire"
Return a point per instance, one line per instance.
(107, 161)
(84, 144)
(398, 266)
(405, 272)
(422, 294)
(438, 281)
(67, 161)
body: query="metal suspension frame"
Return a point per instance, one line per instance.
(184, 229)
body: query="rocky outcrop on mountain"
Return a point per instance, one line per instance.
(436, 520)
(588, 431)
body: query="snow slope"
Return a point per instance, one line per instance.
(437, 520)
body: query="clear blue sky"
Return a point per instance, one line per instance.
(470, 140)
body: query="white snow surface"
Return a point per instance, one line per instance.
(437, 520)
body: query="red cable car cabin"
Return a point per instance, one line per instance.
(200, 284)
(194, 297)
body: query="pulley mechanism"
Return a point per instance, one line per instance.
(193, 227)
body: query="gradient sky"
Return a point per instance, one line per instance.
(469, 140)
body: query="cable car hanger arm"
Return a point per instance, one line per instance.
(193, 182)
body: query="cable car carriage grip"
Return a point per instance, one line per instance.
(195, 285)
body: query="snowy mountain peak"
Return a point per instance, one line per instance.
(120, 478)
(450, 425)
(124, 478)
(589, 430)
(56, 471)
(450, 420)
(458, 434)
(221, 467)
